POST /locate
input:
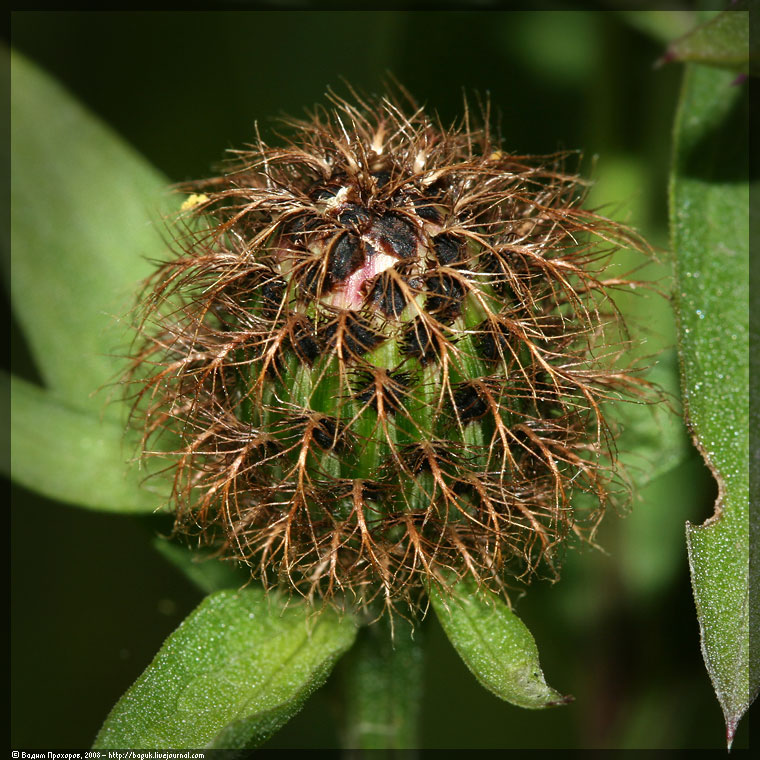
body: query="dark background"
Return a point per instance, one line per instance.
(91, 600)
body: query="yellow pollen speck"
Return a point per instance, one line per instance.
(194, 200)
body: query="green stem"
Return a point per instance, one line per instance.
(383, 687)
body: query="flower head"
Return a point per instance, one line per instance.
(383, 351)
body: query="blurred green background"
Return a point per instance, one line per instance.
(91, 600)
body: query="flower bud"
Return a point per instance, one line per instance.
(384, 350)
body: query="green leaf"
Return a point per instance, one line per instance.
(75, 457)
(722, 41)
(653, 441)
(494, 644)
(84, 220)
(710, 235)
(661, 26)
(232, 674)
(203, 566)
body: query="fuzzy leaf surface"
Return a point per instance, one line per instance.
(72, 456)
(494, 644)
(84, 221)
(710, 235)
(234, 672)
